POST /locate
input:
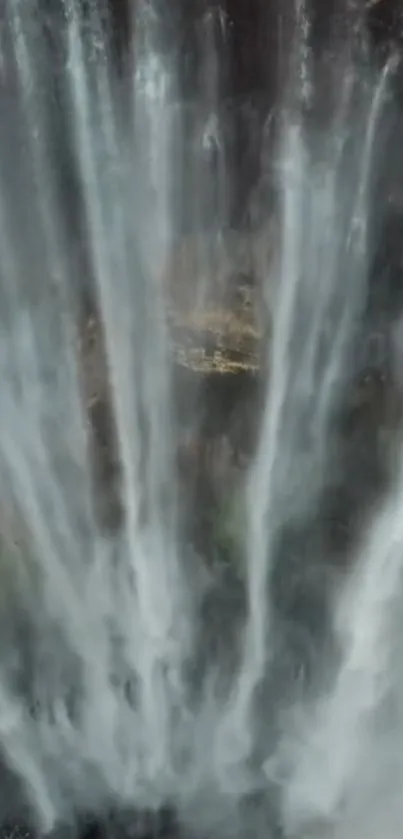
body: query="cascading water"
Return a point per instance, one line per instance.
(127, 645)
(209, 191)
(101, 707)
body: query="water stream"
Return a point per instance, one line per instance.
(103, 703)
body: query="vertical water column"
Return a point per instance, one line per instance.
(209, 200)
(324, 182)
(126, 175)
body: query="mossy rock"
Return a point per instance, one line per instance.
(229, 528)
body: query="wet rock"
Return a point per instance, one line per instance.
(125, 824)
(131, 824)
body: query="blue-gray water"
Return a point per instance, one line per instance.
(100, 705)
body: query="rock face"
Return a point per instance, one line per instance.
(216, 339)
(215, 302)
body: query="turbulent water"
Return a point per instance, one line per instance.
(104, 704)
